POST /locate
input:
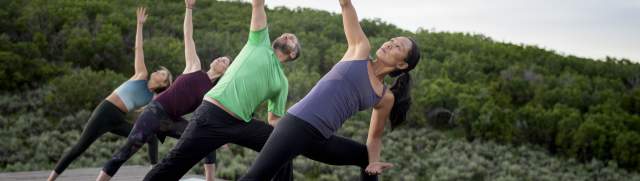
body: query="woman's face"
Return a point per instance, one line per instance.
(394, 52)
(160, 77)
(220, 65)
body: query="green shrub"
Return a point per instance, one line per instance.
(627, 150)
(83, 89)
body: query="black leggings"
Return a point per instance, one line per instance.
(154, 120)
(105, 118)
(293, 136)
(210, 128)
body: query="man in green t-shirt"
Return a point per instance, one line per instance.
(224, 116)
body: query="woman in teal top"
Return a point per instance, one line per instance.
(109, 116)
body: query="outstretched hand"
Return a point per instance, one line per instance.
(376, 168)
(344, 2)
(190, 3)
(142, 15)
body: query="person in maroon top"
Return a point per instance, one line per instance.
(162, 116)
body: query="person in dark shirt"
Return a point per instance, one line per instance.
(162, 117)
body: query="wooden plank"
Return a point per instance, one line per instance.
(126, 173)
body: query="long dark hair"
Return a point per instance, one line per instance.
(401, 87)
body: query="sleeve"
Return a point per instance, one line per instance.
(259, 37)
(277, 103)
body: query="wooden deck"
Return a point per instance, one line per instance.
(126, 173)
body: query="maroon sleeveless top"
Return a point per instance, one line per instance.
(185, 94)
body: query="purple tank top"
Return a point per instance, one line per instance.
(185, 94)
(342, 92)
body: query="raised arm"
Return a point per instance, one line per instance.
(192, 61)
(379, 117)
(140, 68)
(358, 44)
(258, 15)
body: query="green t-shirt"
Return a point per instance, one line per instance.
(254, 76)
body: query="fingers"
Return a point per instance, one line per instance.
(377, 168)
(141, 14)
(386, 166)
(141, 11)
(344, 2)
(373, 171)
(190, 3)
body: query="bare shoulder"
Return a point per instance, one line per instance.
(387, 99)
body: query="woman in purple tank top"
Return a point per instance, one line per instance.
(353, 84)
(163, 116)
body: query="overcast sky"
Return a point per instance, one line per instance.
(585, 28)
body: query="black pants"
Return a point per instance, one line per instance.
(105, 118)
(154, 120)
(210, 128)
(293, 136)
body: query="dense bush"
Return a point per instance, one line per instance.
(83, 89)
(425, 154)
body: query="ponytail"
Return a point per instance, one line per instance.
(402, 94)
(401, 87)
